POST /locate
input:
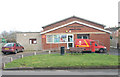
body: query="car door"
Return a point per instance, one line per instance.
(20, 47)
(17, 47)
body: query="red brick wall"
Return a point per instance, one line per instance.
(104, 38)
(48, 46)
(70, 20)
(83, 29)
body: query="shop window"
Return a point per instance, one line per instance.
(49, 38)
(56, 38)
(33, 41)
(63, 38)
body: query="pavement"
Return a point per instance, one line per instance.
(64, 72)
(7, 58)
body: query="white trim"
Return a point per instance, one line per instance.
(70, 42)
(75, 22)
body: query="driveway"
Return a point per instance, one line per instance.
(6, 58)
(114, 51)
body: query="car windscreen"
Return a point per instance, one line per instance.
(9, 45)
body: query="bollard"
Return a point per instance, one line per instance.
(65, 51)
(22, 56)
(3, 65)
(11, 59)
(34, 53)
(49, 52)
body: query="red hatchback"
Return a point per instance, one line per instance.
(12, 48)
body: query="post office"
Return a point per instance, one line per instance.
(64, 33)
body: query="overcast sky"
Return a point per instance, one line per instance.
(31, 15)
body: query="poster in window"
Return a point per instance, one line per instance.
(63, 38)
(49, 38)
(56, 38)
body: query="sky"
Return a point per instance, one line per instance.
(31, 15)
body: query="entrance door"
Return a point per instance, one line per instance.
(70, 41)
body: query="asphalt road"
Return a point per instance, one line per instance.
(6, 58)
(64, 72)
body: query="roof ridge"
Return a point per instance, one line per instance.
(73, 17)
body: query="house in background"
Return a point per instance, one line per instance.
(114, 36)
(64, 33)
(113, 30)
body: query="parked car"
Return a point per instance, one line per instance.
(12, 48)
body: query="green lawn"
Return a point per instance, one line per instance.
(67, 60)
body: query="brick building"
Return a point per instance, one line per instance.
(64, 33)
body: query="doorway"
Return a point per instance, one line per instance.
(70, 42)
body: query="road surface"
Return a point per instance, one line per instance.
(64, 72)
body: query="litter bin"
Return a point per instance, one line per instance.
(62, 49)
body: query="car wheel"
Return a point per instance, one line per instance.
(101, 50)
(4, 53)
(22, 50)
(16, 51)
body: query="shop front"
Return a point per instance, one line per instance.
(64, 33)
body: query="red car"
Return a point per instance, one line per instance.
(12, 48)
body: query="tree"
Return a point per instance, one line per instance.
(9, 36)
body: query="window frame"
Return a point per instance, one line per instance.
(83, 36)
(32, 41)
(53, 39)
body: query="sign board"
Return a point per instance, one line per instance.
(43, 36)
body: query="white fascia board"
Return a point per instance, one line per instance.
(93, 27)
(72, 23)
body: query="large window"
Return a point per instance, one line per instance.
(56, 38)
(63, 38)
(82, 36)
(49, 38)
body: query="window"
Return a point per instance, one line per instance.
(17, 45)
(9, 45)
(70, 38)
(79, 36)
(33, 41)
(82, 36)
(56, 38)
(49, 38)
(63, 38)
(95, 44)
(85, 37)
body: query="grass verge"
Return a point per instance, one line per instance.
(67, 60)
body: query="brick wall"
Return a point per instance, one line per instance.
(70, 20)
(103, 38)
